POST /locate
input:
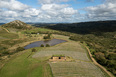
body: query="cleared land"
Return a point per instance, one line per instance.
(75, 69)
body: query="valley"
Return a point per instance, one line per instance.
(15, 61)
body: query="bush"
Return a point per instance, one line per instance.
(5, 52)
(20, 49)
(47, 45)
(42, 45)
(33, 50)
(47, 37)
(0, 54)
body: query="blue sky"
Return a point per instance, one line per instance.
(57, 10)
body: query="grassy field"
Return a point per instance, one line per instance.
(21, 66)
(37, 65)
(5, 34)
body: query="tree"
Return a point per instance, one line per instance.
(42, 45)
(20, 49)
(47, 45)
(48, 36)
(33, 50)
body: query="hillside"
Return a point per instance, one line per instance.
(99, 36)
(34, 64)
(38, 64)
(86, 27)
(17, 24)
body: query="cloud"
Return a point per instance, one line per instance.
(104, 11)
(56, 12)
(50, 11)
(51, 1)
(12, 5)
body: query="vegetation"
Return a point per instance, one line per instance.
(42, 45)
(99, 36)
(47, 45)
(78, 67)
(20, 66)
(34, 50)
(48, 36)
(19, 49)
(6, 35)
(17, 24)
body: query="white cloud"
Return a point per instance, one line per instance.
(68, 11)
(12, 5)
(51, 1)
(53, 6)
(53, 11)
(58, 12)
(104, 11)
(30, 12)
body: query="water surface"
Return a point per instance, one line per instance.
(50, 42)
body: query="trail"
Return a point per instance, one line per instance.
(94, 61)
(5, 29)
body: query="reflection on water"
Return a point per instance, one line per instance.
(50, 42)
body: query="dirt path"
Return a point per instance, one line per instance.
(94, 61)
(5, 29)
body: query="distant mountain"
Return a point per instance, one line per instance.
(17, 24)
(2, 23)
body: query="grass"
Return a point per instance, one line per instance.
(7, 35)
(37, 64)
(81, 67)
(22, 66)
(72, 49)
(75, 69)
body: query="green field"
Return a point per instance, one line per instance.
(6, 35)
(21, 66)
(38, 65)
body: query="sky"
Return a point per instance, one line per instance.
(57, 11)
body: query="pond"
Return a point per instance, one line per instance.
(50, 42)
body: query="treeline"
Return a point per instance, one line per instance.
(86, 27)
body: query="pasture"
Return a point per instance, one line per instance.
(21, 66)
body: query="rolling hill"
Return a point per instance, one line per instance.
(17, 24)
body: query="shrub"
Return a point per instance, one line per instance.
(20, 49)
(0, 54)
(47, 45)
(47, 37)
(42, 45)
(5, 52)
(33, 50)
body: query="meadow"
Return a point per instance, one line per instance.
(21, 66)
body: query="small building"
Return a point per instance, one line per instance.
(58, 58)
